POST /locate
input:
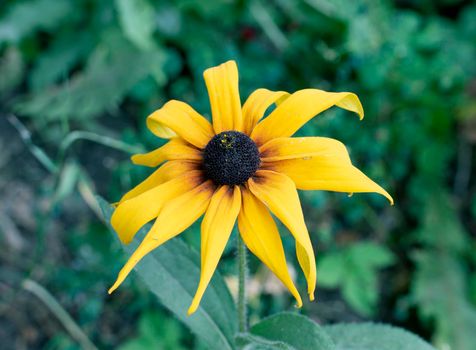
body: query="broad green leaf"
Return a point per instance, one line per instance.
(137, 18)
(294, 331)
(370, 336)
(171, 272)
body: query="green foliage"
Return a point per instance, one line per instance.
(101, 86)
(24, 18)
(12, 69)
(156, 332)
(137, 20)
(441, 282)
(92, 70)
(371, 336)
(354, 270)
(171, 272)
(288, 331)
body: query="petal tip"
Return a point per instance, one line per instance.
(389, 197)
(191, 310)
(134, 158)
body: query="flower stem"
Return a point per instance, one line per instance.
(242, 272)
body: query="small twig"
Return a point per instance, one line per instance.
(66, 320)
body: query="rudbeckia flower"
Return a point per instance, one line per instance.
(242, 167)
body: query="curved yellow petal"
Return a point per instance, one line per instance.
(222, 86)
(176, 216)
(177, 118)
(279, 194)
(216, 229)
(261, 236)
(174, 149)
(166, 172)
(317, 163)
(257, 104)
(298, 109)
(132, 214)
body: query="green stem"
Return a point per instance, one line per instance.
(242, 272)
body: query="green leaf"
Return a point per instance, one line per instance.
(56, 62)
(252, 342)
(371, 254)
(331, 270)
(370, 336)
(354, 269)
(171, 272)
(156, 331)
(439, 288)
(137, 18)
(100, 86)
(67, 181)
(291, 331)
(441, 278)
(360, 291)
(24, 18)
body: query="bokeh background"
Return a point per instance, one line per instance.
(79, 77)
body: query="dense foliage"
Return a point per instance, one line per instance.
(78, 78)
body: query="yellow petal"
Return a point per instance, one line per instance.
(261, 236)
(174, 149)
(298, 109)
(222, 86)
(134, 213)
(257, 104)
(177, 118)
(176, 216)
(279, 194)
(216, 229)
(166, 172)
(317, 163)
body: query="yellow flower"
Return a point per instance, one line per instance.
(238, 168)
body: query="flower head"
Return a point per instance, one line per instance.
(239, 168)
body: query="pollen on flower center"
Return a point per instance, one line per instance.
(230, 158)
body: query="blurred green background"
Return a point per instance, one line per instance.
(79, 77)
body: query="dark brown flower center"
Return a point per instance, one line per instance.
(230, 158)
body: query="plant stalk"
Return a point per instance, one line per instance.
(242, 274)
